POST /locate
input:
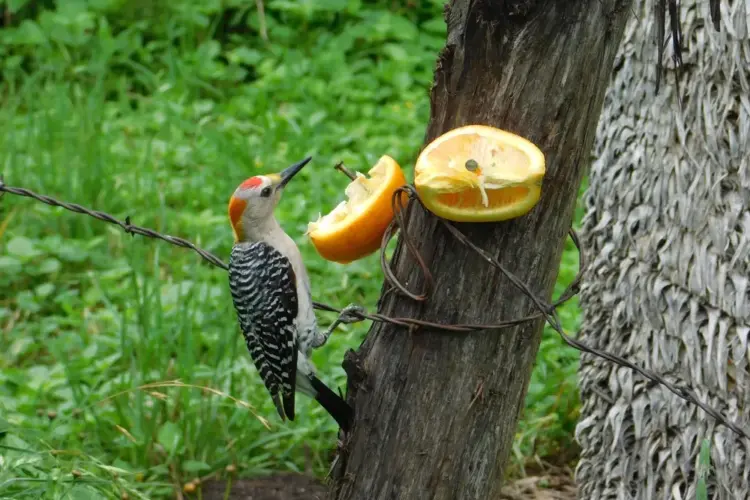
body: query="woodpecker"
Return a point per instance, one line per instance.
(270, 289)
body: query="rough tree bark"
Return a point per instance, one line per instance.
(540, 69)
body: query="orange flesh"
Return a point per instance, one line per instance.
(504, 183)
(473, 198)
(355, 229)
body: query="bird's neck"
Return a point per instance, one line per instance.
(267, 230)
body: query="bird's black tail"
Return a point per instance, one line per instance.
(332, 402)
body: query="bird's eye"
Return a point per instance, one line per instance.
(266, 192)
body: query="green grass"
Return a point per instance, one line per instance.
(160, 121)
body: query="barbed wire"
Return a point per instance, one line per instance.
(130, 228)
(402, 201)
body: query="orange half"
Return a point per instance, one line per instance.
(355, 228)
(478, 173)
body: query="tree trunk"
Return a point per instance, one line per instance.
(436, 413)
(666, 229)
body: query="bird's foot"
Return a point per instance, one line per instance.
(352, 314)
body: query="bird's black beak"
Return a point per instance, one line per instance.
(289, 172)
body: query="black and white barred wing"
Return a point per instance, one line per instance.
(263, 287)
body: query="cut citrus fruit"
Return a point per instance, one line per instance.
(355, 228)
(478, 173)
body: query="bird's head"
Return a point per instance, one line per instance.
(253, 202)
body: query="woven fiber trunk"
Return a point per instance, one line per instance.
(667, 233)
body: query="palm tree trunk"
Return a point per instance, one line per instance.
(667, 233)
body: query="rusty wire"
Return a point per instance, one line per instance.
(401, 208)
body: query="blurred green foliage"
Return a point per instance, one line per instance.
(157, 109)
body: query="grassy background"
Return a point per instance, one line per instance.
(157, 109)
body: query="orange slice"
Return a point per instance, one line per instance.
(478, 173)
(354, 228)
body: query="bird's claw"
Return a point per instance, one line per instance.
(352, 314)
